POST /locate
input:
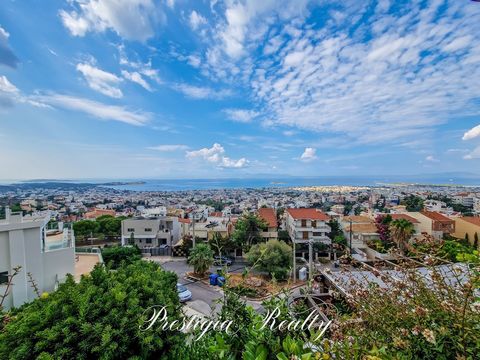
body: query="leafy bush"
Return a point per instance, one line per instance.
(97, 318)
(274, 257)
(116, 255)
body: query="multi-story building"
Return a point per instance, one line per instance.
(467, 225)
(359, 230)
(151, 232)
(45, 259)
(307, 224)
(433, 223)
(269, 216)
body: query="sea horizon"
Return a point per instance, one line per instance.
(283, 181)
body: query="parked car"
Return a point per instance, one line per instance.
(164, 246)
(222, 261)
(183, 293)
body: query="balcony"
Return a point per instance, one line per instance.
(63, 240)
(319, 228)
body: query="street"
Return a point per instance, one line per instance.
(204, 297)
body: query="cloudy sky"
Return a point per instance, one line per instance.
(210, 88)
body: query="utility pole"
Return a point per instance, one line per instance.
(294, 263)
(193, 230)
(310, 259)
(350, 236)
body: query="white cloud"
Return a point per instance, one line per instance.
(289, 132)
(101, 81)
(9, 93)
(240, 21)
(136, 78)
(472, 133)
(194, 61)
(431, 158)
(475, 154)
(7, 57)
(309, 154)
(170, 3)
(241, 115)
(132, 19)
(168, 148)
(414, 70)
(215, 155)
(195, 20)
(201, 92)
(96, 109)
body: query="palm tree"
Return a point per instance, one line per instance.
(401, 231)
(201, 257)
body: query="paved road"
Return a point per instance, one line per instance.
(204, 297)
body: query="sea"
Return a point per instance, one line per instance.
(283, 182)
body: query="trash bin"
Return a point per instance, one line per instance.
(213, 279)
(220, 281)
(302, 274)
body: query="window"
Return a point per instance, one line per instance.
(314, 223)
(130, 230)
(304, 223)
(3, 277)
(148, 229)
(317, 234)
(148, 241)
(305, 235)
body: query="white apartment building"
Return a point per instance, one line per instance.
(307, 224)
(48, 258)
(151, 232)
(476, 205)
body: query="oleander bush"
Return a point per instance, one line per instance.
(115, 256)
(97, 318)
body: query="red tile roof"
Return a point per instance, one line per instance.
(312, 214)
(475, 220)
(216, 214)
(435, 216)
(268, 214)
(406, 217)
(185, 221)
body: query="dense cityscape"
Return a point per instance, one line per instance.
(239, 180)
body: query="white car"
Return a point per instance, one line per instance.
(183, 293)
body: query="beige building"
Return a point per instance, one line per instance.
(467, 225)
(360, 230)
(151, 232)
(269, 216)
(433, 223)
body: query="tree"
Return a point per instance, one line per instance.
(413, 203)
(247, 230)
(85, 228)
(97, 318)
(201, 257)
(220, 243)
(382, 222)
(117, 255)
(402, 230)
(274, 257)
(475, 241)
(283, 235)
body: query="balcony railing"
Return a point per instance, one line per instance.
(61, 241)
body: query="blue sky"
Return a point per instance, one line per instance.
(183, 89)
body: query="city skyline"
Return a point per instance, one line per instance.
(205, 89)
